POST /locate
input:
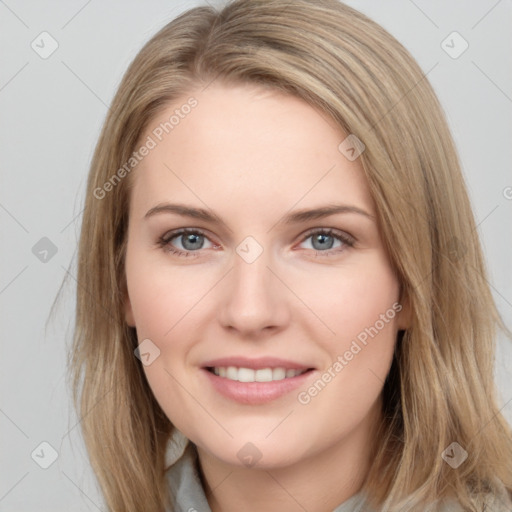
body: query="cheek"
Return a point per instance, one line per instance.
(160, 302)
(353, 298)
(361, 306)
(160, 296)
(167, 305)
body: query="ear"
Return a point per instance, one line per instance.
(128, 312)
(404, 316)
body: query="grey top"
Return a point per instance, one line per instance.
(188, 493)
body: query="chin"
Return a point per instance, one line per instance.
(259, 453)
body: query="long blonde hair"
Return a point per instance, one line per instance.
(441, 386)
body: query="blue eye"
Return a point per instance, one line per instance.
(192, 240)
(324, 239)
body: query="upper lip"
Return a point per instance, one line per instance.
(256, 363)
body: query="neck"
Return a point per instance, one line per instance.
(319, 483)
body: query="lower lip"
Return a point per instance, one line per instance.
(255, 393)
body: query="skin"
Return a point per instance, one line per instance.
(252, 155)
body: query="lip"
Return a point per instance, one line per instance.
(255, 393)
(256, 363)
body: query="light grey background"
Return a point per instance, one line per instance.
(52, 112)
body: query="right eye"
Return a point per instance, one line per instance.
(191, 240)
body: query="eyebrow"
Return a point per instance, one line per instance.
(295, 217)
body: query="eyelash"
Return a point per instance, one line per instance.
(165, 241)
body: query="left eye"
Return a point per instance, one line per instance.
(324, 240)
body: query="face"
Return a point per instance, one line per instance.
(297, 314)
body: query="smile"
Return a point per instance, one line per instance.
(242, 374)
(240, 384)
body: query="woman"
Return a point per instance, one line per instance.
(257, 370)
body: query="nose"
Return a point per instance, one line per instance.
(254, 300)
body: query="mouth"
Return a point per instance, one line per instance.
(268, 374)
(255, 381)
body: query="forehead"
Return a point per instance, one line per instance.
(246, 147)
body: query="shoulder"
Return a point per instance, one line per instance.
(489, 503)
(499, 502)
(184, 480)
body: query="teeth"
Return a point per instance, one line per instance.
(264, 375)
(246, 375)
(251, 375)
